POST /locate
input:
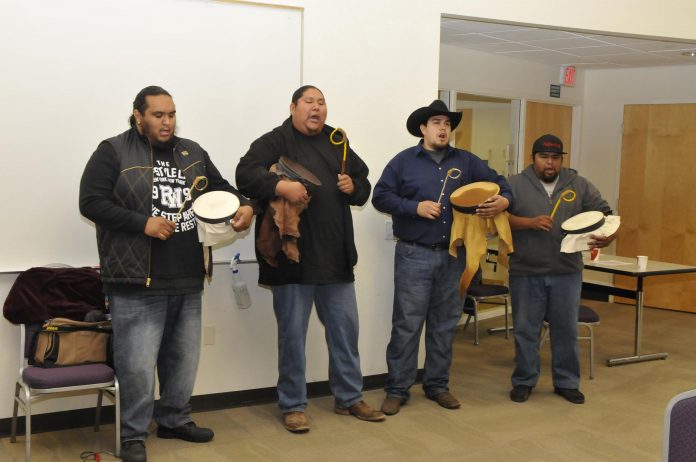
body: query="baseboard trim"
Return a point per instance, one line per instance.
(78, 418)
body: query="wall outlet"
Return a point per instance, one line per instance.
(209, 335)
(388, 234)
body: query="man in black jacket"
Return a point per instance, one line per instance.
(323, 273)
(133, 188)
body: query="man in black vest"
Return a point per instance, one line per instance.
(133, 188)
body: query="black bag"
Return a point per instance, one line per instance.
(64, 342)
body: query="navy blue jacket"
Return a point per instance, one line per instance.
(412, 177)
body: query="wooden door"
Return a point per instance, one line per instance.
(462, 135)
(656, 198)
(543, 118)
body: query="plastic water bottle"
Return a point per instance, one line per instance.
(239, 287)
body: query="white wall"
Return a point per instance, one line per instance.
(377, 62)
(69, 81)
(606, 93)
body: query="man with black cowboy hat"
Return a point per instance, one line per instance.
(413, 190)
(544, 282)
(323, 273)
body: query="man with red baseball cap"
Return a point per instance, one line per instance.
(544, 282)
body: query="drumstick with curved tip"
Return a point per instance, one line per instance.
(453, 173)
(196, 186)
(568, 196)
(343, 142)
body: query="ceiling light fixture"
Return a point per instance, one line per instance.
(690, 54)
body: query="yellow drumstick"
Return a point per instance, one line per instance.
(343, 142)
(195, 185)
(568, 196)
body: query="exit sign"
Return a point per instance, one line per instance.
(568, 76)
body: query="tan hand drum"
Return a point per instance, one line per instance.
(467, 198)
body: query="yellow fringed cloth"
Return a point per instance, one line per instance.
(472, 231)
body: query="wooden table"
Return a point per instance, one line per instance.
(628, 267)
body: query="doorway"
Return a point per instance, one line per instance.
(490, 129)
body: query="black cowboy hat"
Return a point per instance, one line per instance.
(421, 115)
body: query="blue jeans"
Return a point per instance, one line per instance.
(426, 291)
(155, 331)
(337, 310)
(556, 298)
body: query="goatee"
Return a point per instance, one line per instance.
(169, 144)
(549, 178)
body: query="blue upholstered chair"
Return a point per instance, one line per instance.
(587, 319)
(485, 293)
(477, 293)
(679, 444)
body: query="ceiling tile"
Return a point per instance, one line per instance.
(472, 39)
(557, 47)
(568, 42)
(501, 47)
(474, 26)
(597, 50)
(545, 57)
(522, 35)
(662, 46)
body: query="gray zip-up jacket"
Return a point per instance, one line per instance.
(539, 252)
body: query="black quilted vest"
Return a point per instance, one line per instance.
(124, 256)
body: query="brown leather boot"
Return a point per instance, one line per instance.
(296, 422)
(447, 400)
(362, 411)
(391, 405)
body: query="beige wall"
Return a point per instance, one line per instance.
(491, 128)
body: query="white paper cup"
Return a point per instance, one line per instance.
(642, 261)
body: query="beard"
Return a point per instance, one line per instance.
(549, 178)
(151, 135)
(163, 144)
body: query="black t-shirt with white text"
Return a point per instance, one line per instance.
(177, 263)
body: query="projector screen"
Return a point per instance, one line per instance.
(70, 72)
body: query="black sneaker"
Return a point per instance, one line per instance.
(133, 451)
(520, 393)
(571, 394)
(187, 432)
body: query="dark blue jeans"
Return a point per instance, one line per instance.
(426, 292)
(337, 310)
(155, 331)
(556, 297)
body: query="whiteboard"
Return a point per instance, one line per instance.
(70, 72)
